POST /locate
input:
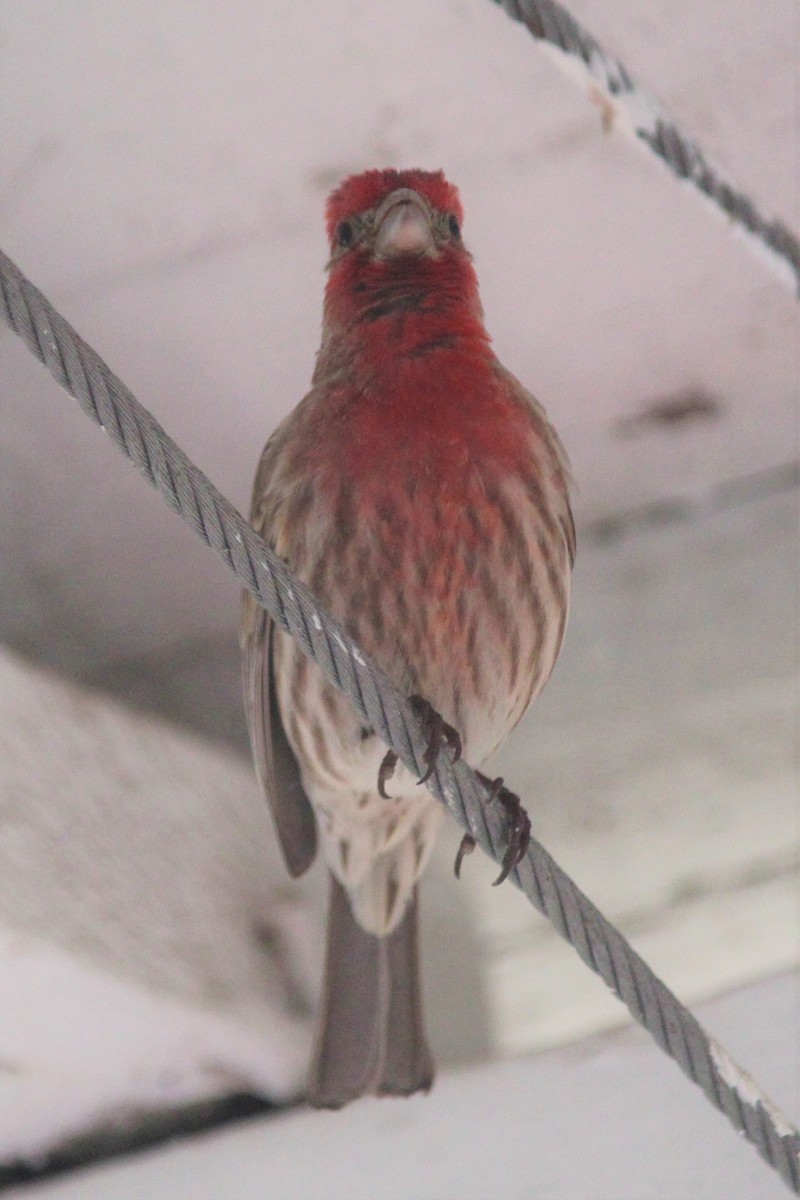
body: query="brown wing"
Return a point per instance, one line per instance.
(568, 525)
(275, 763)
(565, 517)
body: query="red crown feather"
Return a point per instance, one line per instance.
(360, 192)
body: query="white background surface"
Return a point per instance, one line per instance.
(163, 170)
(607, 1120)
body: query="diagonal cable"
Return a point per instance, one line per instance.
(642, 117)
(289, 602)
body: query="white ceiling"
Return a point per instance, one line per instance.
(163, 170)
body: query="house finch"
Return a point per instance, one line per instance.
(422, 494)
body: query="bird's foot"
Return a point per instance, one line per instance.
(519, 825)
(438, 733)
(519, 834)
(468, 844)
(386, 771)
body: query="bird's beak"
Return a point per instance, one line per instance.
(403, 226)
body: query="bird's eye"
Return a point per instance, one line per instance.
(454, 227)
(344, 234)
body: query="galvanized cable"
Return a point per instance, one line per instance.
(643, 119)
(186, 489)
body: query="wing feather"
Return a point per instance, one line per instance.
(275, 763)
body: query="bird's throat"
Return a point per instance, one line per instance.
(382, 316)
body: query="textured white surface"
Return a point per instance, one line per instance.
(81, 1049)
(708, 64)
(143, 858)
(138, 846)
(163, 180)
(610, 1119)
(152, 948)
(660, 768)
(148, 952)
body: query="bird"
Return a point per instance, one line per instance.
(424, 497)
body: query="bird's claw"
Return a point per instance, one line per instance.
(519, 832)
(439, 734)
(386, 771)
(519, 827)
(466, 847)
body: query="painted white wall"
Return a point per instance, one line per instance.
(608, 1119)
(162, 177)
(163, 170)
(149, 955)
(152, 950)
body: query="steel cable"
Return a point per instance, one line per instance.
(549, 22)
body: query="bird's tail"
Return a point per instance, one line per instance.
(370, 1035)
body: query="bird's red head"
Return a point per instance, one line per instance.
(359, 196)
(399, 271)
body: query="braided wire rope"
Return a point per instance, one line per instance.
(549, 22)
(108, 402)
